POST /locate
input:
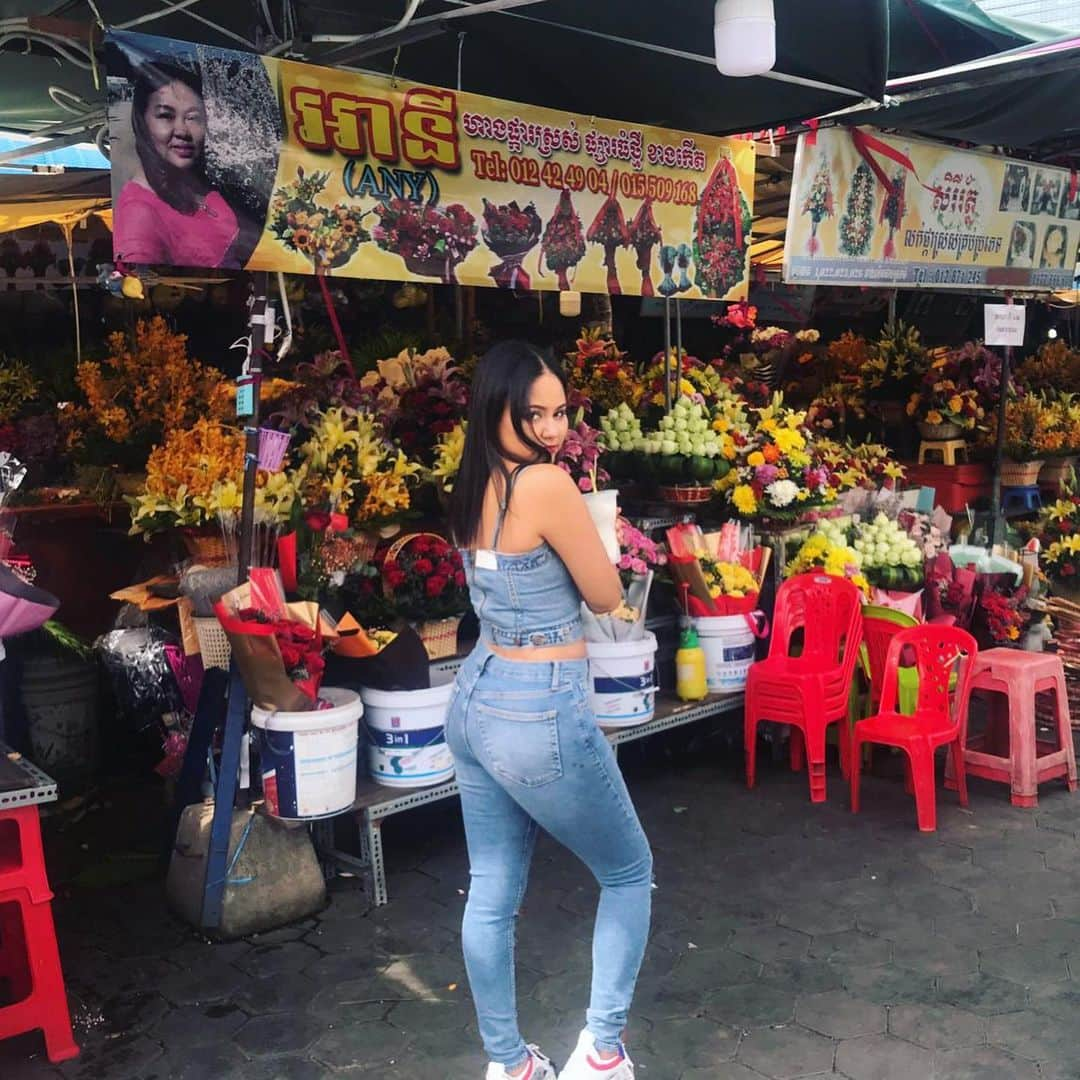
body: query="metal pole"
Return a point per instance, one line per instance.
(667, 353)
(999, 450)
(258, 330)
(678, 349)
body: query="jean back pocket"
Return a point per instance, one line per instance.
(522, 746)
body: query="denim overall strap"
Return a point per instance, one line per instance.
(500, 518)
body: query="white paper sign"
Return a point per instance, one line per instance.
(1004, 324)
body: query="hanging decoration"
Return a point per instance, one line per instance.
(610, 232)
(645, 234)
(857, 221)
(563, 246)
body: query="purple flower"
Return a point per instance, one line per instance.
(766, 474)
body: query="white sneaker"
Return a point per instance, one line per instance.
(539, 1068)
(586, 1064)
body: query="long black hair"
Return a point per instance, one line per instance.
(503, 378)
(182, 189)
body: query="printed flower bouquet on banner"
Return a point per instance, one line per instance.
(717, 573)
(563, 246)
(645, 234)
(511, 232)
(432, 240)
(721, 233)
(277, 646)
(328, 235)
(610, 232)
(818, 204)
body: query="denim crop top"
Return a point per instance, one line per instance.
(522, 600)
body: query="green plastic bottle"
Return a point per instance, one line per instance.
(691, 681)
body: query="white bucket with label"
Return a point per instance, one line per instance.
(308, 759)
(730, 645)
(622, 676)
(406, 735)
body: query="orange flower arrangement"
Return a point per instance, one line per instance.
(144, 389)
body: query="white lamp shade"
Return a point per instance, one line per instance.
(570, 304)
(744, 33)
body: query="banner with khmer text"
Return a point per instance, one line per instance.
(229, 159)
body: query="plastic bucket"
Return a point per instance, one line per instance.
(730, 646)
(406, 735)
(308, 759)
(623, 678)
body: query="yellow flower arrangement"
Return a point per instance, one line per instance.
(448, 453)
(819, 553)
(727, 579)
(744, 499)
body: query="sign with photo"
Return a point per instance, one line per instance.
(230, 159)
(875, 209)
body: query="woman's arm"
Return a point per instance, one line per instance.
(554, 507)
(137, 237)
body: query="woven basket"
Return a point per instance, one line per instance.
(685, 495)
(440, 637)
(213, 643)
(1020, 473)
(205, 546)
(1054, 473)
(940, 432)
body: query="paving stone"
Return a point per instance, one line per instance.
(361, 1046)
(413, 1016)
(273, 994)
(1025, 963)
(280, 1033)
(130, 1012)
(1008, 858)
(357, 1001)
(881, 1057)
(839, 1015)
(751, 1005)
(1060, 1070)
(889, 985)
(1015, 901)
(1059, 1000)
(697, 1041)
(851, 949)
(199, 1025)
(1063, 854)
(1033, 1035)
(984, 994)
(817, 916)
(768, 943)
(1060, 933)
(975, 931)
(786, 1052)
(803, 977)
(704, 934)
(118, 1059)
(710, 969)
(286, 959)
(981, 1063)
(935, 956)
(223, 1061)
(297, 1068)
(937, 1027)
(726, 1071)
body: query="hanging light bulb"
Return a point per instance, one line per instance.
(744, 36)
(569, 304)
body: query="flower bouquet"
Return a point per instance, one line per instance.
(623, 440)
(856, 230)
(721, 233)
(942, 408)
(867, 466)
(892, 209)
(278, 647)
(686, 453)
(328, 235)
(579, 456)
(448, 452)
(1001, 616)
(780, 476)
(891, 558)
(1054, 367)
(825, 550)
(600, 371)
(638, 555)
(718, 573)
(431, 240)
(645, 234)
(563, 245)
(511, 232)
(610, 232)
(818, 203)
(424, 581)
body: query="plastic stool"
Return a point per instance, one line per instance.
(29, 958)
(1024, 499)
(1009, 751)
(952, 451)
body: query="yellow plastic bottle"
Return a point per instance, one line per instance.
(691, 683)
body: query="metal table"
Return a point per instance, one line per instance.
(22, 783)
(374, 803)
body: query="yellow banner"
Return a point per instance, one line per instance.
(874, 209)
(229, 159)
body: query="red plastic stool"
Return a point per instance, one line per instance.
(1009, 750)
(29, 959)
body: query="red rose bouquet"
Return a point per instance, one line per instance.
(511, 232)
(424, 579)
(721, 233)
(563, 246)
(610, 232)
(430, 239)
(645, 234)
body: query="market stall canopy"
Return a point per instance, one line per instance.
(64, 198)
(1025, 99)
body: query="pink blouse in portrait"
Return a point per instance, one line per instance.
(148, 230)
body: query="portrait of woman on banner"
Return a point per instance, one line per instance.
(168, 212)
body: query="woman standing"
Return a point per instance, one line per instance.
(526, 745)
(167, 212)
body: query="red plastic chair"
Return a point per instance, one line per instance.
(811, 690)
(937, 720)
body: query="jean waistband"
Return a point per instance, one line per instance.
(541, 673)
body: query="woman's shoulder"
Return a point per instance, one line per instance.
(133, 191)
(547, 480)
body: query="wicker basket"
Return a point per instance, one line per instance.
(1054, 473)
(685, 494)
(440, 637)
(940, 432)
(1020, 473)
(205, 546)
(213, 643)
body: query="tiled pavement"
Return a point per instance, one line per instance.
(789, 940)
